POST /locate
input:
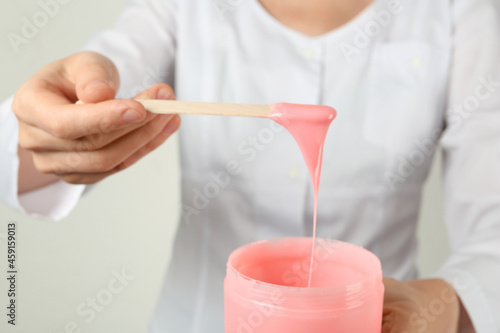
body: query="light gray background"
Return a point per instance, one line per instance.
(127, 222)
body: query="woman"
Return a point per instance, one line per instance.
(402, 75)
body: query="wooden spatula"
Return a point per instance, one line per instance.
(206, 108)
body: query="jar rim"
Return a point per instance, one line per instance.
(354, 294)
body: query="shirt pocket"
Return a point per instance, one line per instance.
(403, 97)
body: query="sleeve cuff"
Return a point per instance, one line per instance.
(52, 202)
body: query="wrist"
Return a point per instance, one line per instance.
(29, 178)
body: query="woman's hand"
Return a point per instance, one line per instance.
(430, 306)
(82, 144)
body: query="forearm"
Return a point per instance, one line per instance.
(29, 178)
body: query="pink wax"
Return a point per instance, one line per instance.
(309, 125)
(266, 289)
(269, 285)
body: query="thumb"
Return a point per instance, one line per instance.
(95, 77)
(157, 91)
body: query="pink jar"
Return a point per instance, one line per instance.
(265, 290)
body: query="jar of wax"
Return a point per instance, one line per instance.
(266, 288)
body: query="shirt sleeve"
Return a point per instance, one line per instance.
(142, 46)
(471, 150)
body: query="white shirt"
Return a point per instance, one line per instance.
(402, 76)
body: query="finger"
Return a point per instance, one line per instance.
(393, 290)
(104, 159)
(33, 138)
(160, 90)
(396, 319)
(36, 139)
(86, 178)
(69, 121)
(63, 82)
(79, 74)
(95, 77)
(397, 291)
(171, 127)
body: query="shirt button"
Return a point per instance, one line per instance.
(416, 62)
(310, 54)
(294, 173)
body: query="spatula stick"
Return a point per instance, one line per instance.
(206, 108)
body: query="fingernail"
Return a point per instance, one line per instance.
(171, 126)
(97, 84)
(132, 116)
(163, 93)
